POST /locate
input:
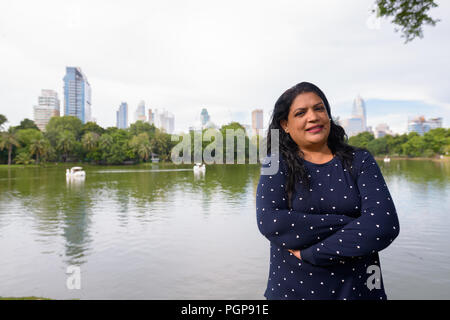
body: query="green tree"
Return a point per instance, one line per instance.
(414, 147)
(394, 143)
(90, 141)
(91, 127)
(40, 148)
(119, 150)
(141, 127)
(378, 146)
(106, 141)
(409, 15)
(57, 125)
(437, 139)
(361, 140)
(26, 124)
(23, 157)
(8, 140)
(141, 146)
(25, 136)
(161, 145)
(65, 143)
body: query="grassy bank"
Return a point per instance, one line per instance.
(24, 298)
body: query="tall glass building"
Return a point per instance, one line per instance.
(77, 94)
(359, 110)
(122, 116)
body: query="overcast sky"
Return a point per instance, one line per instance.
(227, 56)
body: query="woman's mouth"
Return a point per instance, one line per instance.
(315, 129)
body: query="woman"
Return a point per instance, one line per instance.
(327, 211)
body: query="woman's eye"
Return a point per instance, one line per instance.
(299, 113)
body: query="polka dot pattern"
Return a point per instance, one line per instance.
(339, 228)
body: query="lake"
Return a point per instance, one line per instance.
(157, 231)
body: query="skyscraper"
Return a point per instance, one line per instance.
(48, 106)
(77, 94)
(421, 126)
(204, 117)
(122, 116)
(381, 130)
(257, 121)
(139, 114)
(357, 123)
(352, 126)
(359, 111)
(165, 121)
(151, 117)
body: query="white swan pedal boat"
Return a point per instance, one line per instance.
(199, 168)
(75, 172)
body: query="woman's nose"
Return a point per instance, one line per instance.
(312, 116)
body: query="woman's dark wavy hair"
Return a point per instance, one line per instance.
(337, 139)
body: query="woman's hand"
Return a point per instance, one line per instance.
(295, 253)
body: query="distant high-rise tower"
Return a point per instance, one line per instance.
(122, 116)
(77, 94)
(257, 121)
(48, 106)
(422, 126)
(359, 111)
(151, 117)
(357, 123)
(139, 114)
(204, 117)
(164, 121)
(381, 130)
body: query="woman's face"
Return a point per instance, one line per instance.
(308, 123)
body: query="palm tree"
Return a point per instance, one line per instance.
(39, 147)
(65, 143)
(8, 140)
(106, 141)
(90, 140)
(141, 145)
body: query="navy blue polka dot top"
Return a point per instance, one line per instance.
(339, 223)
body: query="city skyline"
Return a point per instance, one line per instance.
(166, 120)
(358, 110)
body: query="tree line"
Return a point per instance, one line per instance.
(67, 139)
(433, 143)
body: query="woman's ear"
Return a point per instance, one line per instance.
(283, 124)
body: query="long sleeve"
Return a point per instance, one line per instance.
(373, 231)
(286, 228)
